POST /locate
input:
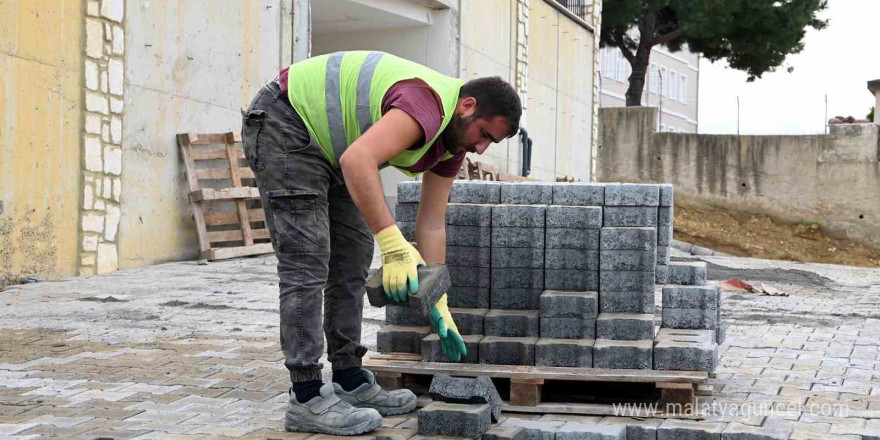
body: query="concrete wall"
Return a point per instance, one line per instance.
(833, 179)
(41, 64)
(191, 66)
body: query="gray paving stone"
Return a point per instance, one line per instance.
(409, 191)
(534, 429)
(571, 279)
(627, 260)
(721, 333)
(623, 354)
(626, 302)
(564, 353)
(479, 236)
(587, 259)
(401, 339)
(469, 321)
(402, 315)
(690, 297)
(687, 356)
(673, 429)
(461, 214)
(626, 281)
(527, 193)
(518, 238)
(475, 191)
(519, 216)
(664, 235)
(470, 276)
(432, 349)
(568, 238)
(667, 193)
(662, 254)
(632, 194)
(469, 297)
(665, 216)
(738, 431)
(579, 194)
(527, 258)
(469, 256)
(687, 273)
(590, 431)
(661, 274)
(629, 216)
(697, 319)
(502, 350)
(408, 229)
(636, 429)
(511, 323)
(505, 278)
(466, 390)
(625, 326)
(455, 419)
(406, 212)
(568, 328)
(516, 298)
(574, 217)
(434, 281)
(568, 304)
(685, 335)
(636, 239)
(501, 433)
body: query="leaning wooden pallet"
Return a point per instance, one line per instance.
(214, 172)
(677, 388)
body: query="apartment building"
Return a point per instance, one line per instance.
(672, 86)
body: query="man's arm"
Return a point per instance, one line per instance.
(431, 221)
(393, 133)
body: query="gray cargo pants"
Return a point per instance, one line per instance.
(320, 238)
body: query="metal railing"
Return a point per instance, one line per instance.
(580, 8)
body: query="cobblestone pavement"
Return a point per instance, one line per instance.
(188, 351)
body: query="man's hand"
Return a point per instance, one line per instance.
(399, 262)
(442, 324)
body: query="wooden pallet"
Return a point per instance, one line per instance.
(677, 389)
(226, 203)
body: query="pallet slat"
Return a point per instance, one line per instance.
(231, 217)
(226, 194)
(240, 251)
(224, 236)
(222, 174)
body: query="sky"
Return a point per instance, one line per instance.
(837, 61)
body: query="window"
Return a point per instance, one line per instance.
(621, 66)
(673, 84)
(654, 79)
(610, 63)
(683, 89)
(664, 81)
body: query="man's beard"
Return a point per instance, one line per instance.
(454, 132)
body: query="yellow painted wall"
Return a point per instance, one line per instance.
(40, 138)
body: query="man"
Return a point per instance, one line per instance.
(316, 138)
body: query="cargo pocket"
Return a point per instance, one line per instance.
(252, 125)
(299, 227)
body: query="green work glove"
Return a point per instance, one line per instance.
(399, 262)
(442, 324)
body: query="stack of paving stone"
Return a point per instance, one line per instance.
(628, 254)
(461, 407)
(691, 320)
(563, 274)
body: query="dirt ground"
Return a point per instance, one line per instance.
(759, 236)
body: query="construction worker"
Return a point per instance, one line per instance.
(316, 138)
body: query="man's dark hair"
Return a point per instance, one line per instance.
(495, 97)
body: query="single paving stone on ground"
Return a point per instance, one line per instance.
(455, 419)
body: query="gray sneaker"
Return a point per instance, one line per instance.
(371, 395)
(328, 414)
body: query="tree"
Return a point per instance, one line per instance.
(754, 36)
(870, 116)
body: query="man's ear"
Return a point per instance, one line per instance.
(467, 106)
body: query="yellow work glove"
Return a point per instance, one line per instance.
(399, 262)
(442, 323)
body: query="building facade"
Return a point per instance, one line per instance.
(672, 86)
(91, 176)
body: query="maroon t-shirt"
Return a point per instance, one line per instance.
(417, 99)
